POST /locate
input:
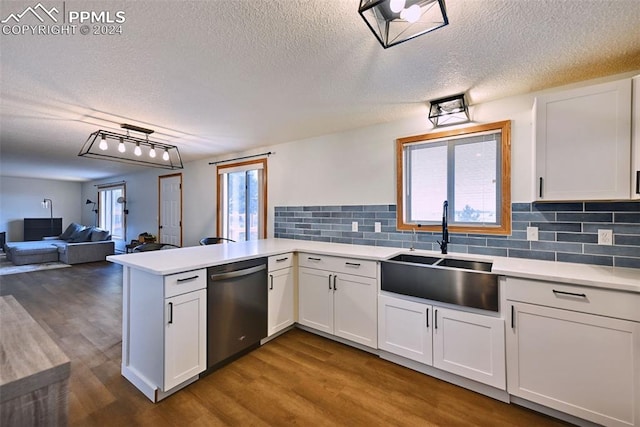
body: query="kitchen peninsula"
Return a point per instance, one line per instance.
(533, 295)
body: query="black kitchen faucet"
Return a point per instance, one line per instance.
(445, 228)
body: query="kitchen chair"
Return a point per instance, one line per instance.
(214, 240)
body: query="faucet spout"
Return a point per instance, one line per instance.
(445, 228)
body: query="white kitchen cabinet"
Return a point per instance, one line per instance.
(635, 140)
(164, 330)
(470, 345)
(185, 349)
(280, 293)
(404, 328)
(466, 344)
(561, 356)
(583, 143)
(337, 301)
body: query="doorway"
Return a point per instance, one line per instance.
(170, 209)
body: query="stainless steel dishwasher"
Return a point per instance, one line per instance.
(236, 310)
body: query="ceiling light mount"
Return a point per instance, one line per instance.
(107, 145)
(396, 21)
(448, 111)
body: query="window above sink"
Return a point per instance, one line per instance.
(469, 167)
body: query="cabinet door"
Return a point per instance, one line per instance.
(355, 309)
(315, 292)
(404, 328)
(583, 143)
(581, 364)
(280, 296)
(185, 339)
(470, 345)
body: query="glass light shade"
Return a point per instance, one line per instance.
(447, 111)
(152, 152)
(137, 151)
(121, 147)
(391, 29)
(165, 156)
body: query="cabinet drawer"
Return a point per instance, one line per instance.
(281, 261)
(622, 305)
(353, 266)
(180, 283)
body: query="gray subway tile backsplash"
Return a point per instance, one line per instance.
(567, 231)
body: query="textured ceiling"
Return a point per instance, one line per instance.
(216, 77)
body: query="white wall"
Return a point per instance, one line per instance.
(354, 167)
(22, 198)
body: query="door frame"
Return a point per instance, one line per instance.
(160, 178)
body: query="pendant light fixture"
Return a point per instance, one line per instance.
(396, 21)
(97, 146)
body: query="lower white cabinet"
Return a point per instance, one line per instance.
(467, 344)
(185, 349)
(164, 340)
(280, 293)
(562, 356)
(338, 303)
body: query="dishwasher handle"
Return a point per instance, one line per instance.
(238, 273)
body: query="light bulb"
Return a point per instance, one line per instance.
(165, 155)
(137, 151)
(103, 143)
(411, 14)
(396, 5)
(152, 152)
(121, 147)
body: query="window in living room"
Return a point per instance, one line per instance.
(111, 215)
(242, 207)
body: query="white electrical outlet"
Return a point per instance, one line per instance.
(354, 226)
(532, 234)
(377, 227)
(605, 237)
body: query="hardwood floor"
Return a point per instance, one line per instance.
(296, 379)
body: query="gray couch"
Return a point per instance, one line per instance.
(78, 244)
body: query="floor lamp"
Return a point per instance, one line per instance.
(49, 203)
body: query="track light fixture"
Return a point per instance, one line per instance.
(98, 146)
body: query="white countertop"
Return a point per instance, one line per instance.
(172, 261)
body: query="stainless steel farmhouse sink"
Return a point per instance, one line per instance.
(455, 281)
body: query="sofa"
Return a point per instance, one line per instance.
(77, 244)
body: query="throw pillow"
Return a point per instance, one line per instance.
(71, 229)
(81, 236)
(98, 235)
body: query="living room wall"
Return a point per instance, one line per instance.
(22, 198)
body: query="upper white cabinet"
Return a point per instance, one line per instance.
(583, 143)
(339, 296)
(635, 167)
(280, 293)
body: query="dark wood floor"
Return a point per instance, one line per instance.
(296, 379)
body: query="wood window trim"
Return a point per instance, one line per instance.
(505, 227)
(262, 161)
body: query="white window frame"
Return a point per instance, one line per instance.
(111, 214)
(450, 139)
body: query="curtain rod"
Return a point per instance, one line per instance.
(109, 184)
(242, 158)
